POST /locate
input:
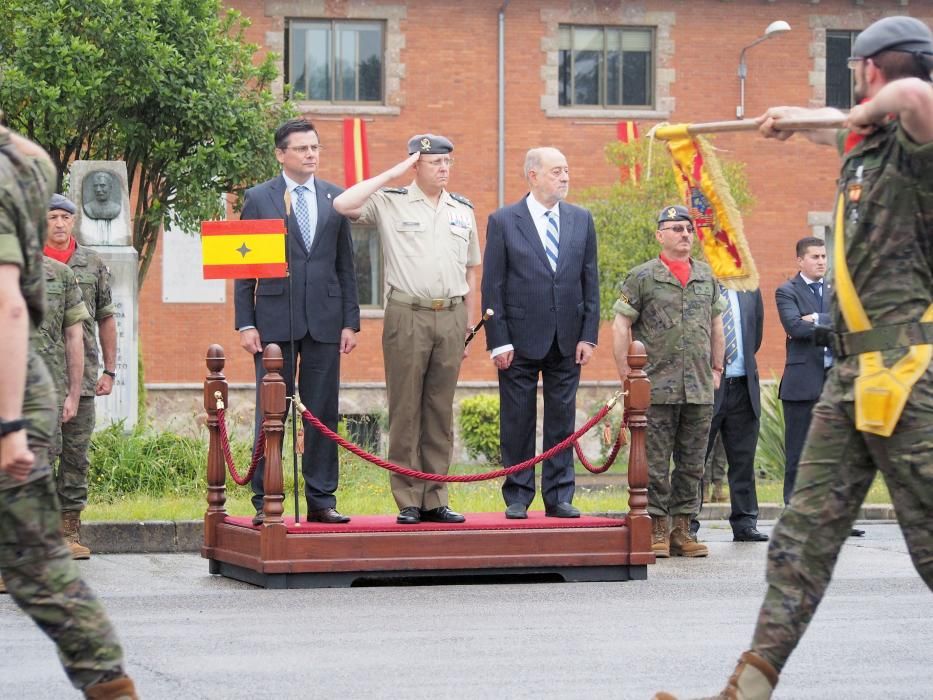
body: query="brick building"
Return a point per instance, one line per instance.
(572, 70)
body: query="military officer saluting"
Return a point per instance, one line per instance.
(672, 304)
(431, 250)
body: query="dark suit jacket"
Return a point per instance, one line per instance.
(323, 279)
(803, 370)
(533, 303)
(752, 311)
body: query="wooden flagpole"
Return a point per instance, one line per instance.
(803, 124)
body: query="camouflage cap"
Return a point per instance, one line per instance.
(674, 212)
(429, 143)
(895, 34)
(60, 201)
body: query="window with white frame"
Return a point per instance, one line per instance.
(605, 66)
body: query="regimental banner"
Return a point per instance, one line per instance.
(627, 132)
(243, 249)
(715, 214)
(355, 151)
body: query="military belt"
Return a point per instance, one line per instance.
(899, 335)
(422, 303)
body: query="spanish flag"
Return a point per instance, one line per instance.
(243, 249)
(355, 151)
(627, 131)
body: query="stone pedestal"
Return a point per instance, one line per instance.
(122, 404)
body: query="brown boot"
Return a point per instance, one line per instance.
(683, 542)
(118, 689)
(71, 529)
(719, 493)
(753, 679)
(2, 586)
(660, 543)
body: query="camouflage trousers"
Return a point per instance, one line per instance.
(71, 476)
(836, 470)
(681, 431)
(43, 580)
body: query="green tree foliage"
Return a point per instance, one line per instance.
(626, 212)
(169, 86)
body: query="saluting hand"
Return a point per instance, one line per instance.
(403, 167)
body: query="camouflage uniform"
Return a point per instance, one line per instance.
(35, 563)
(675, 324)
(94, 280)
(65, 307)
(889, 253)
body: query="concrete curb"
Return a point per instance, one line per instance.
(170, 536)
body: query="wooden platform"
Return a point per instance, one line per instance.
(374, 549)
(280, 554)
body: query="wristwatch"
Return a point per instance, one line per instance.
(112, 375)
(11, 426)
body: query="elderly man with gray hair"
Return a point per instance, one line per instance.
(541, 278)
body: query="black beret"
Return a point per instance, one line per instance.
(62, 202)
(894, 34)
(675, 212)
(429, 143)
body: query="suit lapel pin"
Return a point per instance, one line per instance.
(328, 195)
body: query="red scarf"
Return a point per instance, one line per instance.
(853, 139)
(63, 256)
(679, 268)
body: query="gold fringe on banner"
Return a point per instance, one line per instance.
(715, 214)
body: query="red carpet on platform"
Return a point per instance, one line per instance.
(475, 521)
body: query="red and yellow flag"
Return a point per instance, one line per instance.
(355, 151)
(715, 215)
(627, 132)
(243, 249)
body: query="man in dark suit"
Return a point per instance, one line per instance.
(540, 277)
(737, 411)
(803, 302)
(325, 311)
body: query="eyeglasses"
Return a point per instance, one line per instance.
(679, 228)
(303, 150)
(853, 61)
(447, 162)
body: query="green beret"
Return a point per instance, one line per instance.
(674, 212)
(429, 143)
(895, 34)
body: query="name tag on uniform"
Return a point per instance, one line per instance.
(409, 226)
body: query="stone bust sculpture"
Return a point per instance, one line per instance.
(100, 199)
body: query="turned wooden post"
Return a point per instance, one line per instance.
(272, 399)
(637, 402)
(215, 388)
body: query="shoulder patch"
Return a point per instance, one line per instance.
(395, 190)
(460, 198)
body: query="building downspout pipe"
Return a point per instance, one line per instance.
(502, 103)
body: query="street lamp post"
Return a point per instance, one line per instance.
(777, 27)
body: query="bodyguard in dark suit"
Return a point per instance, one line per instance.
(737, 410)
(802, 303)
(325, 310)
(541, 279)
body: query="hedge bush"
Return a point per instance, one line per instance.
(479, 427)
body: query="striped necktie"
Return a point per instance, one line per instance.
(728, 329)
(552, 239)
(303, 215)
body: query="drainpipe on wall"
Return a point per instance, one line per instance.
(502, 103)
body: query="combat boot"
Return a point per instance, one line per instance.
(2, 585)
(121, 688)
(660, 543)
(753, 679)
(71, 529)
(683, 542)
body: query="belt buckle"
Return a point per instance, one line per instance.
(437, 304)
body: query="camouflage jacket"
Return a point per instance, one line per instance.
(94, 280)
(887, 182)
(25, 188)
(64, 307)
(674, 322)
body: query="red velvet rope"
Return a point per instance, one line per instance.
(610, 460)
(405, 471)
(228, 455)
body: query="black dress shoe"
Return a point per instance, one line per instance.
(442, 515)
(409, 516)
(327, 515)
(516, 511)
(749, 534)
(561, 510)
(259, 518)
(856, 532)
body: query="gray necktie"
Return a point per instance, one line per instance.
(306, 222)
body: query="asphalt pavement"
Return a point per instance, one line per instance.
(188, 634)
